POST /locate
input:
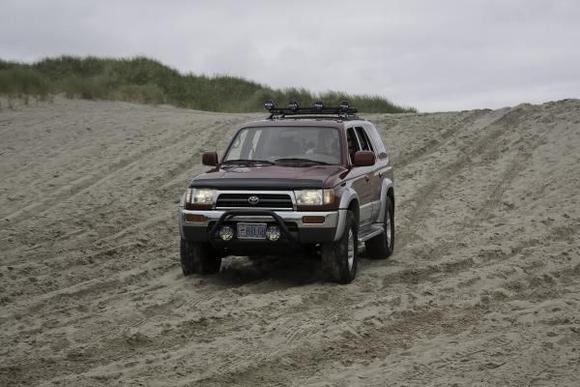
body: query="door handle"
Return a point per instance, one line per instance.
(367, 178)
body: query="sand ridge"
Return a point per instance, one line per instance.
(483, 287)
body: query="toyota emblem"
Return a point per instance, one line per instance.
(253, 200)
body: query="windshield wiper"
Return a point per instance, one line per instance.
(300, 160)
(248, 161)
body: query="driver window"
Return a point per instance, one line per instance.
(353, 145)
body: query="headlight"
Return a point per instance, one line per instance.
(314, 197)
(203, 196)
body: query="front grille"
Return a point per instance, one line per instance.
(240, 200)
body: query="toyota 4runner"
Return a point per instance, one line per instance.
(315, 179)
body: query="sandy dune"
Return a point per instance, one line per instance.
(484, 287)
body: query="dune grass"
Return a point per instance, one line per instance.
(146, 80)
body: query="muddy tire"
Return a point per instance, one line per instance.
(340, 258)
(199, 258)
(381, 246)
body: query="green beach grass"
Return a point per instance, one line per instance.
(148, 81)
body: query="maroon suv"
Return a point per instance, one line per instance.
(316, 179)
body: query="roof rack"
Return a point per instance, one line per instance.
(343, 111)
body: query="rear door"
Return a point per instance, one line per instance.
(383, 169)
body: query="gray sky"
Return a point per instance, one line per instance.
(434, 55)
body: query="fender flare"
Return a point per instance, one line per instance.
(386, 186)
(347, 197)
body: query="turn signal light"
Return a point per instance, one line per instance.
(313, 219)
(195, 218)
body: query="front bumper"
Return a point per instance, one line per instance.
(301, 233)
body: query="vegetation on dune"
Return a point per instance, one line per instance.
(145, 80)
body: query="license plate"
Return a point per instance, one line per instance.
(251, 230)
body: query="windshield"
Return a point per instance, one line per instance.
(285, 145)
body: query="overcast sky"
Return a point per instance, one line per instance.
(433, 55)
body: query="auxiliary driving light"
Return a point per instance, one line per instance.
(269, 105)
(226, 233)
(318, 105)
(273, 233)
(344, 106)
(293, 106)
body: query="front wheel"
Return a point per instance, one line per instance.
(340, 258)
(382, 246)
(199, 258)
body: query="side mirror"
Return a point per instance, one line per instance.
(364, 159)
(210, 159)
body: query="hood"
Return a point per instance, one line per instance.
(269, 177)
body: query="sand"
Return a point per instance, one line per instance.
(483, 289)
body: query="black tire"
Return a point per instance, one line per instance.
(380, 247)
(199, 258)
(335, 255)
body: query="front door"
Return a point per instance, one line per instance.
(362, 179)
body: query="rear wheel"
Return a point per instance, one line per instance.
(199, 258)
(340, 258)
(381, 246)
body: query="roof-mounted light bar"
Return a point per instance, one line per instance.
(344, 110)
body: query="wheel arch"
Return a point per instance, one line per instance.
(391, 196)
(387, 193)
(349, 201)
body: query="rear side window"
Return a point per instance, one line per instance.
(353, 145)
(377, 142)
(364, 139)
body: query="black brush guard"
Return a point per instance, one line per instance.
(213, 234)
